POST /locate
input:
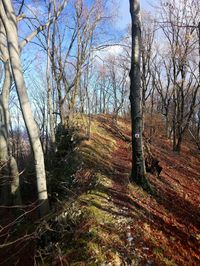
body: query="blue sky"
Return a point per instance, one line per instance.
(124, 15)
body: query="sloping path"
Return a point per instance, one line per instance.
(159, 229)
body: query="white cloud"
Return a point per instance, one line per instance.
(102, 55)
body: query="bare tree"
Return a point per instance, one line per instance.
(117, 74)
(138, 163)
(9, 21)
(70, 59)
(147, 55)
(49, 88)
(181, 38)
(161, 72)
(8, 195)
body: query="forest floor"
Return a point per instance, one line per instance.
(108, 221)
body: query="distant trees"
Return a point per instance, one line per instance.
(161, 70)
(148, 28)
(69, 60)
(177, 20)
(113, 85)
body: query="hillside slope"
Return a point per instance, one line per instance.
(117, 223)
(105, 220)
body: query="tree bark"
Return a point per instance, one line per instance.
(49, 91)
(10, 170)
(8, 18)
(138, 163)
(15, 182)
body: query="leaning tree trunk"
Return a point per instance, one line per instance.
(8, 18)
(4, 156)
(138, 163)
(4, 159)
(10, 191)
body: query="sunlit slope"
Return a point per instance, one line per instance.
(116, 221)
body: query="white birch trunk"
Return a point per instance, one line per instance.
(10, 171)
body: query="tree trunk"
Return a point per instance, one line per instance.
(79, 62)
(49, 92)
(15, 185)
(8, 18)
(138, 163)
(177, 146)
(4, 114)
(10, 170)
(4, 97)
(167, 127)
